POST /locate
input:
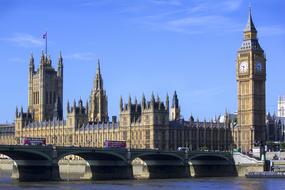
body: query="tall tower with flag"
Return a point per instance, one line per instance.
(251, 77)
(45, 95)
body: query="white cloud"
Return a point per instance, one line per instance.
(192, 17)
(24, 40)
(83, 56)
(195, 24)
(271, 30)
(231, 5)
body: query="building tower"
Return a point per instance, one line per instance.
(98, 111)
(45, 89)
(251, 76)
(175, 108)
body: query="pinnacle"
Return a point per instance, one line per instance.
(250, 25)
(98, 66)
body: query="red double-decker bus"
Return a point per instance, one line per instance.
(114, 144)
(33, 141)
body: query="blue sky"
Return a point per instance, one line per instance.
(144, 46)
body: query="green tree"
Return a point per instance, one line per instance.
(282, 145)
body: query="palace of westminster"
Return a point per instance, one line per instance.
(146, 124)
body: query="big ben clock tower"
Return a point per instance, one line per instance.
(251, 76)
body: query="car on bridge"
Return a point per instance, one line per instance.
(184, 149)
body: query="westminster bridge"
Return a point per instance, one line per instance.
(41, 163)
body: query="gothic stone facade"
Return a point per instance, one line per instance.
(148, 124)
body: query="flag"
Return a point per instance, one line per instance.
(45, 35)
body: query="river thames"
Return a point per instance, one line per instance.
(167, 184)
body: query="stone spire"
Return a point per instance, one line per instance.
(32, 65)
(43, 59)
(167, 102)
(175, 109)
(121, 103)
(250, 31)
(98, 83)
(68, 107)
(49, 62)
(129, 103)
(98, 107)
(250, 25)
(143, 101)
(60, 66)
(175, 102)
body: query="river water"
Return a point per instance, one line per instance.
(166, 184)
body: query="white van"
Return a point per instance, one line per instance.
(185, 149)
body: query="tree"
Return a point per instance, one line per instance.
(282, 145)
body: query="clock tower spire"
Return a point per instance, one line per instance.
(251, 77)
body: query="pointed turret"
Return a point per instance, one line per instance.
(143, 102)
(49, 60)
(250, 31)
(152, 101)
(43, 59)
(129, 103)
(175, 102)
(175, 109)
(68, 106)
(250, 25)
(98, 83)
(167, 102)
(98, 67)
(152, 97)
(80, 103)
(87, 107)
(32, 63)
(121, 103)
(74, 105)
(157, 98)
(17, 112)
(60, 66)
(136, 104)
(98, 111)
(31, 74)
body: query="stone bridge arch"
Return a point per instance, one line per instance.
(31, 164)
(212, 165)
(164, 165)
(103, 165)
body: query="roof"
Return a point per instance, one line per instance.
(250, 25)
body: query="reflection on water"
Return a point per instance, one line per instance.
(167, 184)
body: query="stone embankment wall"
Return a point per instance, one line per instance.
(245, 164)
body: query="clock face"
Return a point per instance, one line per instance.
(258, 67)
(243, 67)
